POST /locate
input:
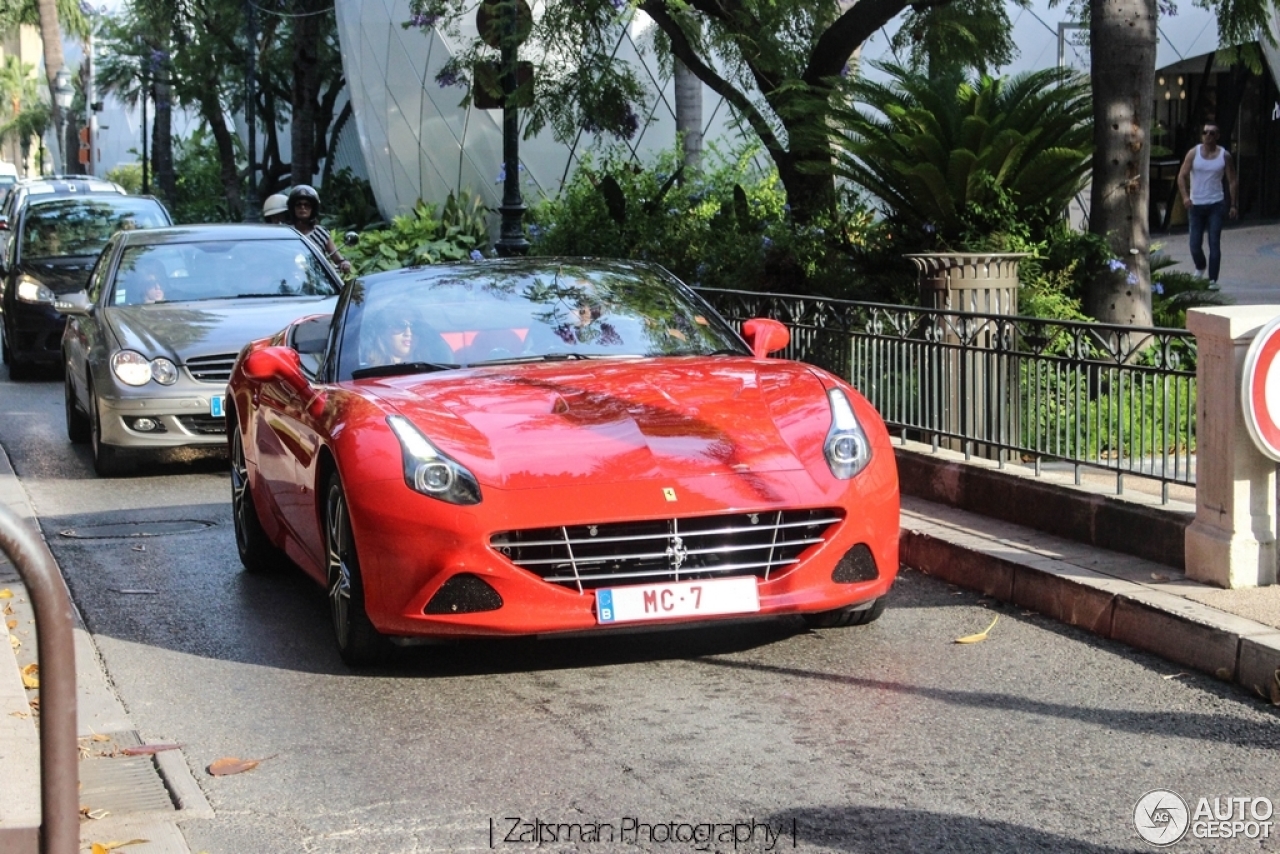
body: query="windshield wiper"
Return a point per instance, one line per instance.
(401, 369)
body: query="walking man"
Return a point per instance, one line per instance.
(1206, 199)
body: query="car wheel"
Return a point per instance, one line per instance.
(257, 552)
(78, 427)
(108, 460)
(359, 642)
(842, 617)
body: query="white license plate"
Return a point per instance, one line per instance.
(216, 406)
(678, 599)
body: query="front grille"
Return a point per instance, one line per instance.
(212, 369)
(204, 424)
(585, 557)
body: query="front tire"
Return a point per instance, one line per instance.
(108, 460)
(78, 426)
(257, 552)
(359, 643)
(844, 617)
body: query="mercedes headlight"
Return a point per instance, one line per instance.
(133, 368)
(429, 470)
(31, 290)
(847, 449)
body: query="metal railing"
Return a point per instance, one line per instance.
(55, 640)
(1116, 398)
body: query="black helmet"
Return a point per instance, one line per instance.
(304, 191)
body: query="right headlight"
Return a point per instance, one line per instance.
(133, 368)
(31, 290)
(429, 470)
(847, 449)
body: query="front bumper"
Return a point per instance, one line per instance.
(34, 333)
(184, 420)
(410, 550)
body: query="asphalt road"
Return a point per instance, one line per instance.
(884, 738)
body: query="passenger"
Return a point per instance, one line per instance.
(585, 326)
(398, 338)
(304, 215)
(146, 288)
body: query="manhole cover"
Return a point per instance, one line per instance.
(128, 530)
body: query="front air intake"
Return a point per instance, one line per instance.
(464, 594)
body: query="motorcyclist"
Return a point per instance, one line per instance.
(304, 215)
(275, 209)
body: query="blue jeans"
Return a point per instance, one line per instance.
(1202, 218)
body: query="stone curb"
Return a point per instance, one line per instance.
(1083, 588)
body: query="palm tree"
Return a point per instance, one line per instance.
(23, 115)
(944, 155)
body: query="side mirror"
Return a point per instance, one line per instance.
(76, 304)
(282, 364)
(351, 238)
(765, 336)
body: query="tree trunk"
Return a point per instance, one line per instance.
(306, 88)
(162, 140)
(51, 41)
(689, 115)
(1123, 47)
(228, 172)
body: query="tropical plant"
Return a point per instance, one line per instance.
(950, 158)
(427, 235)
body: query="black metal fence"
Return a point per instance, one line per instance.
(1115, 398)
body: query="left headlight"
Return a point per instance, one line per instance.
(429, 470)
(31, 290)
(847, 449)
(133, 368)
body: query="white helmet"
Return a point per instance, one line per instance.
(275, 205)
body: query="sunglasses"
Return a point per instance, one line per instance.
(402, 328)
(1208, 133)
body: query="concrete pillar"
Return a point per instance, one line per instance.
(1232, 542)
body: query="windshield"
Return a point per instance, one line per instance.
(220, 269)
(497, 312)
(58, 228)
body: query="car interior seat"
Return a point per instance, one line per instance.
(491, 344)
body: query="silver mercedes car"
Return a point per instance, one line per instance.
(148, 348)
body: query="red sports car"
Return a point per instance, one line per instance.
(533, 446)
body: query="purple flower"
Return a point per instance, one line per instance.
(447, 76)
(424, 20)
(766, 241)
(1157, 288)
(1115, 265)
(477, 255)
(1132, 278)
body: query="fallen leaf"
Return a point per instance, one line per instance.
(1173, 675)
(104, 847)
(31, 676)
(980, 636)
(12, 624)
(231, 765)
(19, 714)
(1159, 576)
(96, 815)
(98, 736)
(146, 749)
(1223, 673)
(14, 642)
(139, 548)
(6, 593)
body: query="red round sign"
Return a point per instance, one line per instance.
(1260, 389)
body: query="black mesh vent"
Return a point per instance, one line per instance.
(858, 564)
(464, 594)
(589, 556)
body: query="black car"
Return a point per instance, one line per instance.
(52, 247)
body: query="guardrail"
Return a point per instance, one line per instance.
(1114, 398)
(55, 641)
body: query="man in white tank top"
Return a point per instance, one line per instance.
(1208, 201)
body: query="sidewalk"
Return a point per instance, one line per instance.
(132, 797)
(1250, 272)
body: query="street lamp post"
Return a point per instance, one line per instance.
(514, 29)
(62, 95)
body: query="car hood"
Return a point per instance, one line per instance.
(60, 275)
(620, 421)
(183, 330)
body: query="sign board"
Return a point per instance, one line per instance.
(1260, 390)
(491, 18)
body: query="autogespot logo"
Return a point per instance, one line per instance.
(1161, 817)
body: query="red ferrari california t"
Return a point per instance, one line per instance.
(534, 446)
